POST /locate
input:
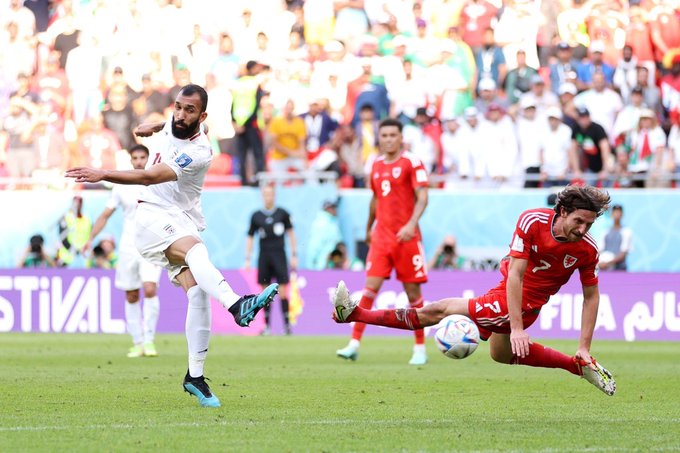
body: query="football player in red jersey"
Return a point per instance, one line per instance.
(399, 183)
(547, 247)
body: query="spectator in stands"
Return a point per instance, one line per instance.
(346, 144)
(16, 138)
(150, 100)
(319, 126)
(452, 79)
(540, 96)
(457, 148)
(498, 148)
(324, 234)
(339, 259)
(35, 255)
(418, 139)
(25, 92)
(602, 102)
(518, 80)
(670, 87)
(530, 128)
(409, 93)
(606, 21)
(84, 71)
(488, 94)
(567, 93)
(351, 21)
(97, 145)
(226, 64)
(287, 138)
(367, 90)
(555, 149)
(21, 16)
(517, 29)
(628, 118)
(625, 73)
(119, 116)
(616, 243)
(646, 146)
(650, 92)
(674, 153)
(590, 151)
(594, 64)
(367, 133)
(476, 17)
(67, 40)
(247, 95)
(564, 69)
(53, 88)
(664, 24)
(446, 256)
(17, 53)
(472, 125)
(490, 59)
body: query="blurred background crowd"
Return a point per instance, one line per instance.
(503, 93)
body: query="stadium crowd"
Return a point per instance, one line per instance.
(493, 93)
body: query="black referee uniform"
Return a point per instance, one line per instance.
(272, 264)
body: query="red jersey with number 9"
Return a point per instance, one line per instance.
(394, 185)
(550, 262)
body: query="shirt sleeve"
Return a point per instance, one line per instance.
(418, 173)
(626, 240)
(588, 271)
(253, 227)
(522, 238)
(191, 161)
(288, 225)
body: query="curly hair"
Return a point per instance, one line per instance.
(585, 197)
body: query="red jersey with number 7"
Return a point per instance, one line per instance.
(550, 262)
(394, 186)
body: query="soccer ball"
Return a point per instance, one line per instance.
(457, 336)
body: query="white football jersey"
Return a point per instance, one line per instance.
(190, 160)
(127, 198)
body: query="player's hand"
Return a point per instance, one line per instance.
(148, 129)
(520, 341)
(583, 356)
(86, 248)
(406, 233)
(83, 174)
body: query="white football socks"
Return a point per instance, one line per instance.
(133, 320)
(151, 311)
(197, 329)
(208, 277)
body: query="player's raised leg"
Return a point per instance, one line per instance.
(193, 252)
(347, 310)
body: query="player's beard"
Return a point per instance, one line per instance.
(186, 132)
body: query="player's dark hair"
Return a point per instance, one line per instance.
(585, 197)
(387, 122)
(139, 147)
(191, 89)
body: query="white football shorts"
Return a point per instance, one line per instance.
(156, 228)
(132, 271)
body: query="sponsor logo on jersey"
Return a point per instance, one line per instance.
(396, 172)
(183, 160)
(569, 261)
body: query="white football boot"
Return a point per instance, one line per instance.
(600, 377)
(344, 306)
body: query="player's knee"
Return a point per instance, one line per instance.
(500, 356)
(149, 290)
(132, 297)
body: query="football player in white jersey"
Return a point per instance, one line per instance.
(132, 271)
(167, 225)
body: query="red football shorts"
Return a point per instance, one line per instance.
(407, 258)
(490, 313)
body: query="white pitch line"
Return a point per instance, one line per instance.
(269, 422)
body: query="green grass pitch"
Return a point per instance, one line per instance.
(71, 393)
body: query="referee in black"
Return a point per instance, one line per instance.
(271, 224)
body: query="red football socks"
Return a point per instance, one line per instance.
(366, 303)
(418, 333)
(544, 357)
(403, 318)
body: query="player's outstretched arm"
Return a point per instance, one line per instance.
(148, 129)
(591, 302)
(155, 174)
(98, 226)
